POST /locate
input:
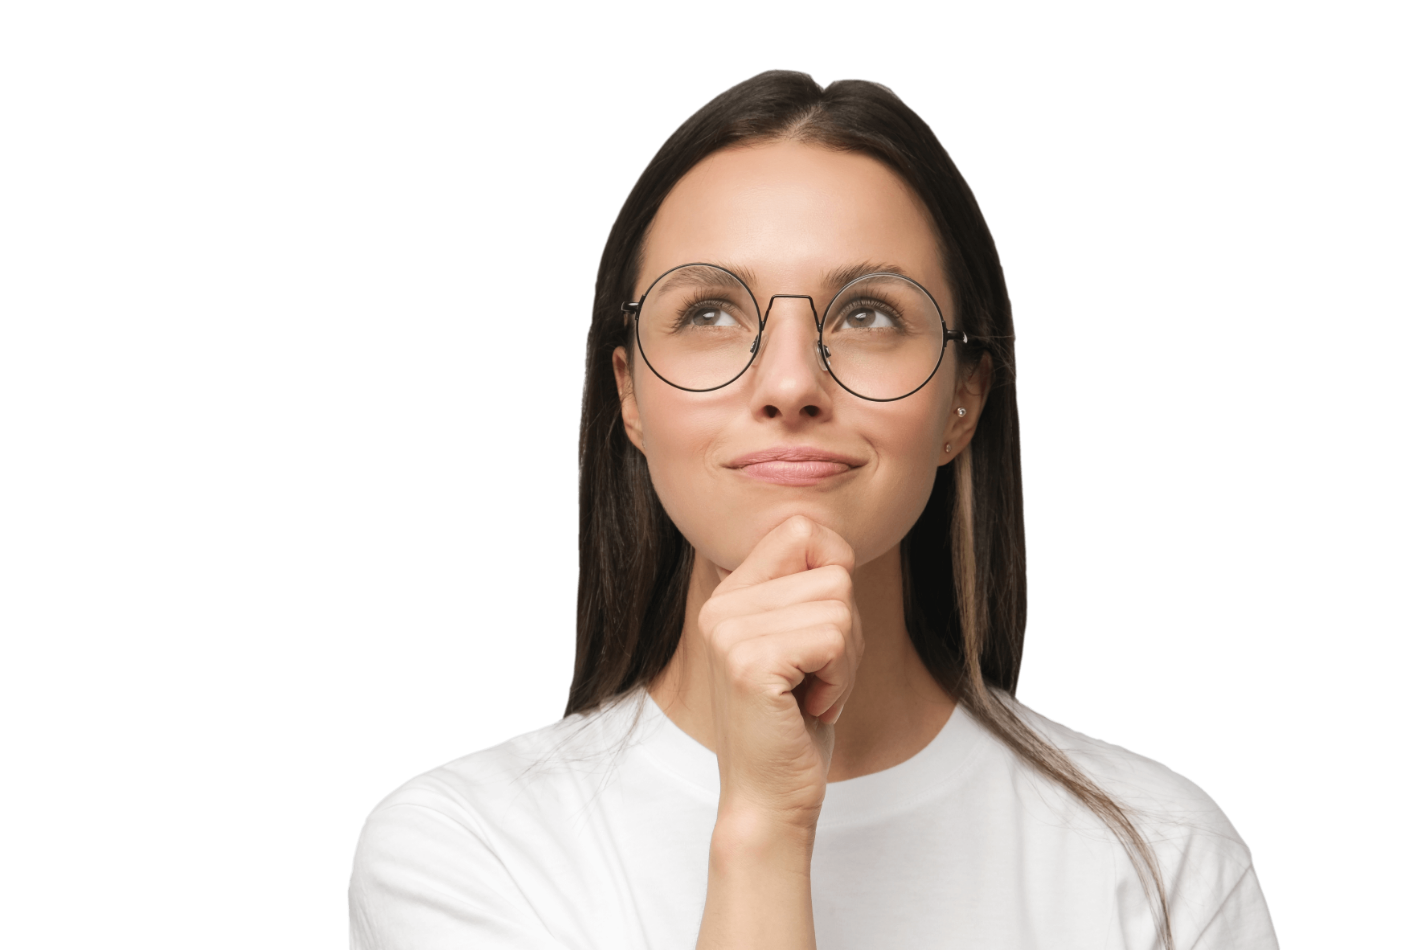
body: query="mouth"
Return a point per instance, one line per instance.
(793, 465)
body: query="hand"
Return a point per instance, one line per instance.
(784, 640)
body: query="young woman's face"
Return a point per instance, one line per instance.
(794, 218)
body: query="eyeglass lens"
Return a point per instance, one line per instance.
(883, 335)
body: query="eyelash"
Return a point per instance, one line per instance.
(864, 303)
(868, 303)
(691, 310)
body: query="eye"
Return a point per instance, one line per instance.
(709, 316)
(868, 318)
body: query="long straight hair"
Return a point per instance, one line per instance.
(963, 563)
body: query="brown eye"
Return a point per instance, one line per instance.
(710, 317)
(868, 318)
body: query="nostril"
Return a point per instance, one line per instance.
(811, 410)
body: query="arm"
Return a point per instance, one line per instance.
(759, 886)
(782, 642)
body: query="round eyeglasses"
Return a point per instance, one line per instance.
(882, 337)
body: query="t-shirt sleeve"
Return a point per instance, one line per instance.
(426, 880)
(1241, 922)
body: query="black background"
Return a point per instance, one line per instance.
(444, 457)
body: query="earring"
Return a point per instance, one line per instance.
(949, 445)
(960, 410)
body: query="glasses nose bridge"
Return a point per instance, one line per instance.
(811, 305)
(758, 344)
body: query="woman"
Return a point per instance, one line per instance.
(800, 519)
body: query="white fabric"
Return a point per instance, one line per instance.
(594, 832)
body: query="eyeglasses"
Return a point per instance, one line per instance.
(881, 338)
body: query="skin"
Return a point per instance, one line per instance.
(796, 590)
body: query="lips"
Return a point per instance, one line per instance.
(793, 465)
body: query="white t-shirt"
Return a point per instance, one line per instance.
(594, 832)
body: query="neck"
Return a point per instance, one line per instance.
(896, 707)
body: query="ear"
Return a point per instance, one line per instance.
(628, 405)
(970, 395)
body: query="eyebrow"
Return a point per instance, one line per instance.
(838, 277)
(695, 273)
(833, 279)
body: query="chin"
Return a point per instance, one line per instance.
(727, 538)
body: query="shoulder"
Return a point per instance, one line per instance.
(1161, 797)
(1206, 867)
(536, 764)
(434, 860)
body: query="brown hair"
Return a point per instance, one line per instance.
(963, 563)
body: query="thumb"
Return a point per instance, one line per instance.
(798, 544)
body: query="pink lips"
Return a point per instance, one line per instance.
(793, 465)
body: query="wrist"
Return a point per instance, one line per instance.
(759, 884)
(751, 837)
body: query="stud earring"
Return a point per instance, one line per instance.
(949, 445)
(960, 411)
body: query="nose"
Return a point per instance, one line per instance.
(790, 380)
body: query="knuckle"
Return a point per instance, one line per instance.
(722, 636)
(801, 527)
(744, 665)
(845, 553)
(842, 581)
(829, 614)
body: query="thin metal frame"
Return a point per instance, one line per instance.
(947, 335)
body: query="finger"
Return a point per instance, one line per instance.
(749, 613)
(775, 623)
(828, 687)
(825, 700)
(832, 582)
(833, 712)
(782, 662)
(798, 544)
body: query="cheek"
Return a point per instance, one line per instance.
(907, 447)
(723, 516)
(679, 435)
(682, 437)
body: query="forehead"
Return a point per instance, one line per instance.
(789, 214)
